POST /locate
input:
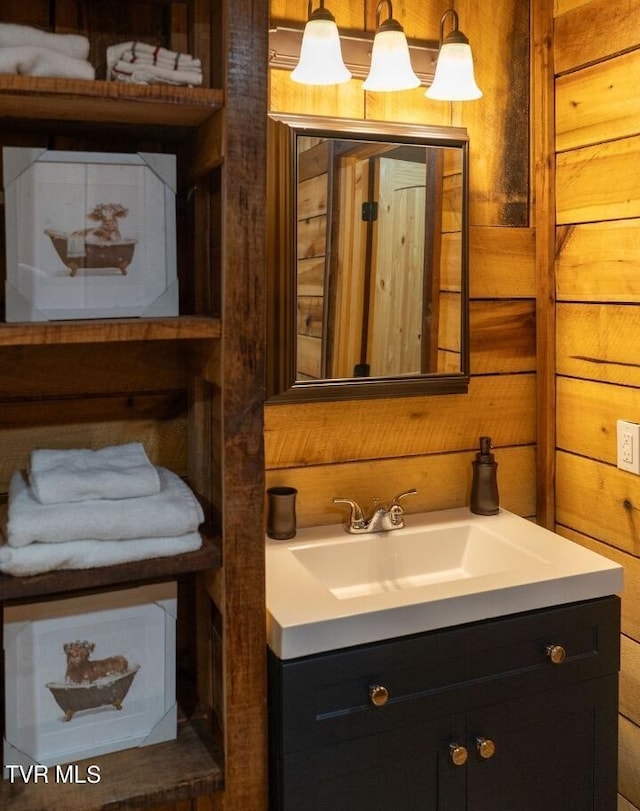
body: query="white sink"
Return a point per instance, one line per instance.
(327, 589)
(388, 561)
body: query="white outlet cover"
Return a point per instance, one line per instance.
(628, 446)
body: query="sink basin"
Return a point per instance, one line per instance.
(327, 589)
(375, 563)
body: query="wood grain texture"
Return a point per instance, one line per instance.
(443, 481)
(598, 500)
(581, 196)
(597, 262)
(592, 31)
(628, 764)
(502, 336)
(502, 262)
(597, 103)
(598, 342)
(243, 204)
(501, 406)
(587, 412)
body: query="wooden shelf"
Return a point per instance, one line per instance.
(68, 580)
(146, 777)
(185, 327)
(38, 98)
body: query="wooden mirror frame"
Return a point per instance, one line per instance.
(282, 385)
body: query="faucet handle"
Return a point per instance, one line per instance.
(356, 520)
(396, 499)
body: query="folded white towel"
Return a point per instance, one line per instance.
(74, 45)
(173, 511)
(145, 54)
(153, 74)
(89, 554)
(117, 471)
(31, 60)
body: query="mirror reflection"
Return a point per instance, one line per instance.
(377, 258)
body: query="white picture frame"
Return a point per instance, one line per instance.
(44, 725)
(89, 234)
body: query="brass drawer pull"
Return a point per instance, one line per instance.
(485, 747)
(378, 695)
(556, 653)
(458, 754)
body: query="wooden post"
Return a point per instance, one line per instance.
(544, 182)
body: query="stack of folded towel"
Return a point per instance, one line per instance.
(31, 52)
(78, 509)
(141, 63)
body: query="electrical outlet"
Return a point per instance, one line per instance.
(628, 446)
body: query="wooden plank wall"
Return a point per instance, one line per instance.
(597, 52)
(381, 447)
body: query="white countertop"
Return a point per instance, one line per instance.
(304, 616)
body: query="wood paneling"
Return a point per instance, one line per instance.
(502, 262)
(581, 195)
(597, 54)
(598, 342)
(587, 412)
(592, 31)
(598, 261)
(598, 103)
(442, 481)
(501, 406)
(490, 324)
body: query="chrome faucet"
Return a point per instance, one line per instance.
(384, 517)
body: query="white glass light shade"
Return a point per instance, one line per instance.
(321, 60)
(454, 79)
(390, 63)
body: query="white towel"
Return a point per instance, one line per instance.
(145, 54)
(73, 45)
(89, 554)
(31, 60)
(153, 74)
(117, 471)
(173, 511)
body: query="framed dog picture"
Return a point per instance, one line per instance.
(89, 235)
(89, 675)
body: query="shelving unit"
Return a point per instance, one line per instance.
(190, 387)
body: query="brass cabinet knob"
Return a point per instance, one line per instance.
(378, 695)
(556, 653)
(485, 747)
(458, 754)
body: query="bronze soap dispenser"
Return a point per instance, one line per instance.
(484, 485)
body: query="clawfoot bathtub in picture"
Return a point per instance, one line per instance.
(91, 683)
(99, 246)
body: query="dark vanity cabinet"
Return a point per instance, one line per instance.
(513, 714)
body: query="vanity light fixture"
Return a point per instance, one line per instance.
(321, 60)
(390, 61)
(454, 79)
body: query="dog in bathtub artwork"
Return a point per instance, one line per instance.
(90, 235)
(91, 683)
(97, 247)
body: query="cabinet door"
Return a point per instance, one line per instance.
(405, 769)
(554, 750)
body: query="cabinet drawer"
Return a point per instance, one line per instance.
(325, 698)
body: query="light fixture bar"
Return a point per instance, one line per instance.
(285, 40)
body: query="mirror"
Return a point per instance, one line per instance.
(367, 255)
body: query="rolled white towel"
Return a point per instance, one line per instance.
(38, 558)
(78, 474)
(173, 511)
(153, 74)
(31, 60)
(73, 45)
